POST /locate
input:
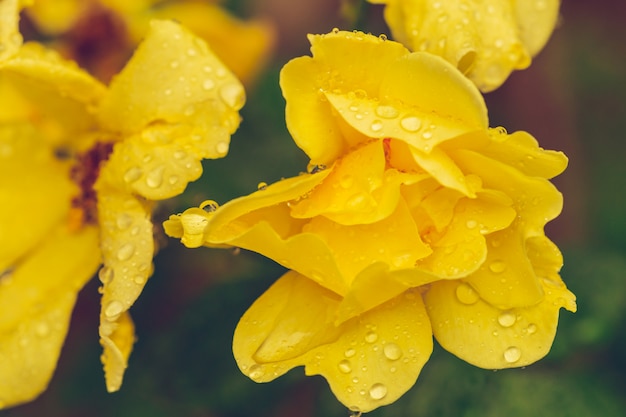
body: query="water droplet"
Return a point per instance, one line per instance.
(378, 391)
(232, 94)
(344, 366)
(497, 267)
(42, 329)
(387, 112)
(411, 123)
(376, 126)
(256, 372)
(174, 64)
(221, 147)
(180, 154)
(471, 224)
(382, 37)
(346, 181)
(208, 84)
(335, 31)
(168, 92)
(512, 354)
(209, 206)
(427, 135)
(173, 179)
(106, 274)
(123, 221)
(466, 294)
(113, 309)
(139, 279)
(371, 337)
(314, 169)
(132, 174)
(192, 52)
(507, 319)
(125, 252)
(154, 178)
(531, 329)
(392, 351)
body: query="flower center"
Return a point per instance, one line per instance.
(85, 173)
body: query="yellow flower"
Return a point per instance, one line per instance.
(486, 40)
(414, 219)
(81, 165)
(243, 46)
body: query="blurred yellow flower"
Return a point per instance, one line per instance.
(81, 165)
(243, 46)
(486, 40)
(414, 218)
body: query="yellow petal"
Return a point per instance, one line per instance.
(336, 65)
(359, 190)
(36, 302)
(127, 249)
(32, 180)
(243, 46)
(56, 17)
(486, 40)
(369, 361)
(394, 240)
(116, 350)
(488, 337)
(174, 78)
(10, 36)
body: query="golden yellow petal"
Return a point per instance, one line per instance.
(394, 240)
(485, 40)
(174, 78)
(369, 361)
(336, 65)
(36, 302)
(116, 349)
(359, 190)
(35, 193)
(243, 46)
(10, 36)
(55, 17)
(488, 337)
(127, 250)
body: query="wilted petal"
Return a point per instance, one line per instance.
(369, 361)
(36, 300)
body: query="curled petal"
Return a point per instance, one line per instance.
(489, 337)
(369, 361)
(127, 249)
(36, 301)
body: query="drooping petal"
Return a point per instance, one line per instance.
(174, 78)
(488, 337)
(32, 179)
(127, 250)
(369, 361)
(36, 301)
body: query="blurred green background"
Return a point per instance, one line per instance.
(571, 99)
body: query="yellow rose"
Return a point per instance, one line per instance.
(414, 218)
(486, 40)
(81, 165)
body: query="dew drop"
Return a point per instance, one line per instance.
(42, 329)
(466, 294)
(192, 52)
(180, 154)
(531, 329)
(411, 123)
(208, 84)
(132, 174)
(382, 37)
(371, 337)
(174, 64)
(471, 224)
(378, 391)
(376, 126)
(507, 319)
(209, 206)
(427, 135)
(346, 181)
(387, 112)
(392, 351)
(105, 274)
(344, 366)
(349, 353)
(512, 354)
(256, 372)
(173, 179)
(232, 95)
(497, 267)
(125, 252)
(123, 221)
(139, 279)
(113, 309)
(154, 178)
(221, 147)
(261, 186)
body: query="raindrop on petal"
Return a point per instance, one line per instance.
(378, 391)
(512, 354)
